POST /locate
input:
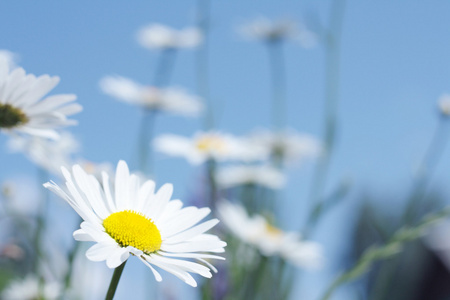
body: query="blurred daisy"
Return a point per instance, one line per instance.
(130, 218)
(29, 289)
(270, 241)
(9, 58)
(209, 145)
(158, 36)
(173, 100)
(289, 145)
(275, 30)
(49, 155)
(444, 104)
(21, 107)
(266, 176)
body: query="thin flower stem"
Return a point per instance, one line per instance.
(278, 74)
(332, 79)
(425, 170)
(202, 61)
(211, 166)
(164, 68)
(145, 136)
(41, 219)
(115, 281)
(377, 253)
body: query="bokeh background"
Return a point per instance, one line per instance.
(395, 63)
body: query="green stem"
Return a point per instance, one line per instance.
(278, 73)
(115, 281)
(145, 137)
(164, 68)
(211, 166)
(41, 218)
(425, 170)
(202, 62)
(391, 248)
(332, 79)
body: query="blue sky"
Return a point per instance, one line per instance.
(395, 64)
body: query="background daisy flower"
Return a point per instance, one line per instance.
(22, 109)
(158, 36)
(209, 145)
(172, 100)
(255, 230)
(130, 218)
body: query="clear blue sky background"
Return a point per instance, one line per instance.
(395, 64)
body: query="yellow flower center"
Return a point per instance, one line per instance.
(11, 116)
(130, 228)
(210, 143)
(273, 231)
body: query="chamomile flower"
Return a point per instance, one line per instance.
(209, 145)
(269, 240)
(130, 218)
(263, 175)
(29, 289)
(172, 100)
(158, 36)
(22, 109)
(274, 30)
(50, 155)
(289, 145)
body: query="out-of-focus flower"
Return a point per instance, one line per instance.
(8, 57)
(173, 100)
(444, 104)
(133, 219)
(264, 175)
(29, 289)
(274, 30)
(289, 145)
(158, 36)
(21, 107)
(270, 241)
(209, 145)
(50, 155)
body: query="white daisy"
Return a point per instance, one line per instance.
(131, 218)
(173, 100)
(29, 289)
(290, 145)
(21, 107)
(263, 175)
(50, 155)
(272, 30)
(158, 36)
(8, 57)
(444, 104)
(256, 231)
(209, 145)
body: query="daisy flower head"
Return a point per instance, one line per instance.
(8, 57)
(158, 36)
(22, 109)
(444, 104)
(208, 145)
(265, 29)
(289, 145)
(39, 150)
(131, 218)
(263, 175)
(171, 100)
(270, 241)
